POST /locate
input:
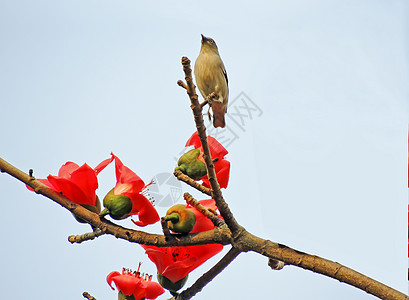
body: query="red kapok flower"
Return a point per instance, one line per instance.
(76, 183)
(133, 283)
(176, 263)
(221, 166)
(131, 185)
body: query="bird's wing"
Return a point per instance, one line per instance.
(225, 74)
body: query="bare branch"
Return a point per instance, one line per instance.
(201, 130)
(318, 265)
(182, 177)
(165, 229)
(193, 202)
(85, 237)
(182, 84)
(88, 296)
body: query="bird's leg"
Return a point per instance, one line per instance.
(209, 99)
(204, 103)
(208, 114)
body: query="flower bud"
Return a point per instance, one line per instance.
(172, 287)
(190, 165)
(117, 206)
(180, 219)
(122, 296)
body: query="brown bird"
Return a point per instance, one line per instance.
(211, 77)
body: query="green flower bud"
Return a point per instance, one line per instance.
(117, 206)
(189, 165)
(169, 285)
(122, 296)
(180, 219)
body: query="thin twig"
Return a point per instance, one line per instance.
(201, 129)
(196, 204)
(88, 296)
(165, 229)
(182, 84)
(209, 275)
(182, 177)
(85, 237)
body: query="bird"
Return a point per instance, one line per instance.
(211, 77)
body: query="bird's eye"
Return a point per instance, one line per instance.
(211, 41)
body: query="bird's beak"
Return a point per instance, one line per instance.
(204, 39)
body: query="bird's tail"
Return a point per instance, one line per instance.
(219, 110)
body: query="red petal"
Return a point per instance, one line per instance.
(216, 149)
(222, 169)
(202, 222)
(70, 190)
(111, 276)
(131, 285)
(223, 172)
(164, 260)
(139, 292)
(125, 189)
(127, 284)
(198, 255)
(194, 140)
(158, 257)
(124, 175)
(153, 290)
(102, 165)
(180, 269)
(177, 262)
(141, 206)
(206, 182)
(67, 169)
(86, 179)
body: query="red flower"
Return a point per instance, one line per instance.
(131, 185)
(76, 183)
(222, 166)
(133, 283)
(176, 263)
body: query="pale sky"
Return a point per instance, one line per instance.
(320, 164)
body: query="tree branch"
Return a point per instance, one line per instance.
(220, 235)
(193, 202)
(249, 242)
(88, 296)
(201, 130)
(79, 238)
(193, 183)
(209, 275)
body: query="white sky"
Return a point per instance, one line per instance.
(323, 169)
